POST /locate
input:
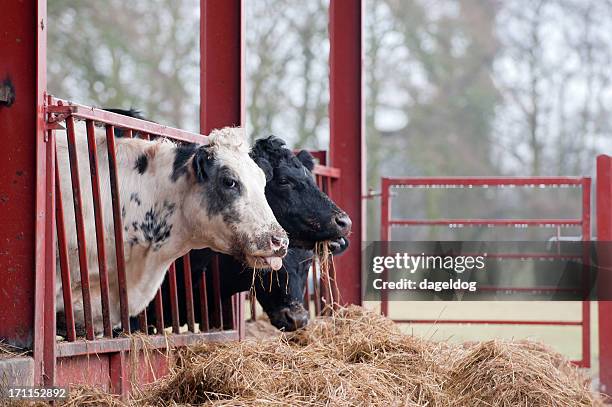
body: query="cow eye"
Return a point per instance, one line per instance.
(283, 182)
(229, 183)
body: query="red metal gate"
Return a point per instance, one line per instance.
(584, 222)
(66, 361)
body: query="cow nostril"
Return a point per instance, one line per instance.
(278, 242)
(343, 222)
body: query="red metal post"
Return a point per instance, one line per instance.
(99, 221)
(188, 292)
(173, 299)
(22, 177)
(385, 235)
(119, 374)
(63, 259)
(347, 152)
(221, 64)
(604, 237)
(204, 326)
(49, 353)
(221, 77)
(586, 305)
(159, 312)
(118, 228)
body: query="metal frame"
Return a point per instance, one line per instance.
(604, 234)
(387, 223)
(347, 136)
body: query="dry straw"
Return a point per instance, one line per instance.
(358, 358)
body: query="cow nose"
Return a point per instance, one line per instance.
(279, 244)
(294, 319)
(343, 222)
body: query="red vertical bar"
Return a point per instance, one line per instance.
(143, 321)
(216, 313)
(159, 312)
(204, 327)
(188, 292)
(50, 265)
(221, 64)
(63, 258)
(385, 235)
(222, 54)
(586, 305)
(41, 250)
(80, 226)
(604, 239)
(119, 375)
(240, 315)
(22, 187)
(99, 221)
(118, 228)
(347, 152)
(173, 299)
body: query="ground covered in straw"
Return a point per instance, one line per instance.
(358, 358)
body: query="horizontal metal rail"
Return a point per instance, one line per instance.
(450, 182)
(486, 222)
(118, 120)
(100, 346)
(488, 322)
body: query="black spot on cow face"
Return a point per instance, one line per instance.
(302, 209)
(141, 164)
(281, 294)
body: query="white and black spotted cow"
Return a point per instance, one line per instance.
(174, 198)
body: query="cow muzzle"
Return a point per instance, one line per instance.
(272, 248)
(290, 318)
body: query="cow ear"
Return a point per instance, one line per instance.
(202, 164)
(306, 159)
(265, 167)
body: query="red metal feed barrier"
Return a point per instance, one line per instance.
(62, 113)
(584, 222)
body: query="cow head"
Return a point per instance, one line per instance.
(226, 206)
(304, 211)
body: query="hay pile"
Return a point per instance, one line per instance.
(360, 358)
